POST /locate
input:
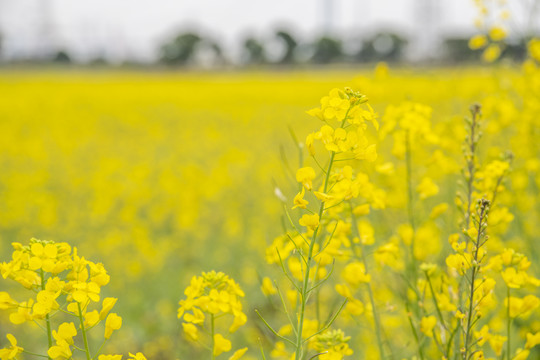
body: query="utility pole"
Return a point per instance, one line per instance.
(45, 29)
(427, 18)
(328, 15)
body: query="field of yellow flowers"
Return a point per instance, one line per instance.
(238, 215)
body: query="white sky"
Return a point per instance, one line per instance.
(119, 29)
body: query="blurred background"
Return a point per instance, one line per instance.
(124, 132)
(242, 33)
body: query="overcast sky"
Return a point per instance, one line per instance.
(118, 29)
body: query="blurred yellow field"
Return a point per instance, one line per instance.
(160, 176)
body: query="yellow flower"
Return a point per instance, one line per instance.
(483, 335)
(221, 345)
(84, 291)
(459, 262)
(478, 355)
(110, 357)
(427, 188)
(438, 210)
(497, 342)
(310, 221)
(355, 274)
(491, 53)
(305, 176)
(113, 322)
(12, 351)
(534, 49)
(322, 196)
(91, 318)
(497, 33)
(459, 315)
(335, 105)
(106, 306)
(522, 306)
(521, 354)
(477, 42)
(190, 331)
(238, 354)
(6, 302)
(138, 356)
(267, 287)
(42, 256)
(60, 351)
(532, 340)
(299, 201)
(514, 279)
(427, 324)
(66, 332)
(361, 210)
(239, 319)
(332, 344)
(23, 313)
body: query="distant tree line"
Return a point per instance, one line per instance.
(192, 48)
(185, 49)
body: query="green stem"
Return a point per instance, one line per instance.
(305, 284)
(83, 329)
(474, 271)
(35, 354)
(408, 162)
(47, 318)
(470, 160)
(99, 350)
(410, 200)
(413, 329)
(435, 300)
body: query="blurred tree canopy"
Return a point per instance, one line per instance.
(290, 44)
(181, 49)
(327, 50)
(253, 52)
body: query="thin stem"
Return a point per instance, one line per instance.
(435, 301)
(408, 162)
(410, 202)
(471, 162)
(47, 318)
(415, 334)
(303, 293)
(99, 350)
(272, 329)
(85, 339)
(35, 354)
(474, 271)
(471, 143)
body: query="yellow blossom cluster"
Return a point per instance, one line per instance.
(208, 298)
(63, 285)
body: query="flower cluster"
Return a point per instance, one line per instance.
(210, 297)
(65, 284)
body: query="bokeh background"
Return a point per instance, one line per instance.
(240, 32)
(153, 135)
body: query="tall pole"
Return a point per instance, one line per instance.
(427, 16)
(46, 45)
(328, 15)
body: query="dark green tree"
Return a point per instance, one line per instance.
(253, 52)
(181, 49)
(290, 46)
(327, 50)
